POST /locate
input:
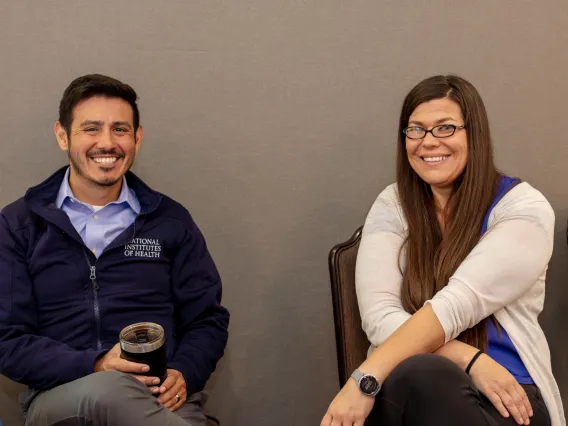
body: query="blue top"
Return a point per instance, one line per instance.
(500, 347)
(98, 227)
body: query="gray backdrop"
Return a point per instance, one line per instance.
(275, 124)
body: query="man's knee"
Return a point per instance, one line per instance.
(112, 382)
(110, 388)
(96, 393)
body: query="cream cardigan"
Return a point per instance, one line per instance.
(503, 275)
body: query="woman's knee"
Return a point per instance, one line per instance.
(424, 364)
(422, 373)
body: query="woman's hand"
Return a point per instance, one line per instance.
(501, 388)
(349, 408)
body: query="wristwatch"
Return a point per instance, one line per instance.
(367, 383)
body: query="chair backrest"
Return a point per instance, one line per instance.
(351, 341)
(10, 412)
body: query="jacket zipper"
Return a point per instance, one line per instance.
(93, 278)
(96, 309)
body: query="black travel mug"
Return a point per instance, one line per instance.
(145, 343)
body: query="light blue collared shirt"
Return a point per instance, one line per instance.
(98, 227)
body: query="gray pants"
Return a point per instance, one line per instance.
(110, 398)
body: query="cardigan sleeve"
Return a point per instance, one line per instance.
(378, 278)
(511, 256)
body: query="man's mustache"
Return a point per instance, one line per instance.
(112, 152)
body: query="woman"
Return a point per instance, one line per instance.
(450, 280)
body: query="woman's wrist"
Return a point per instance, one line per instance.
(473, 360)
(458, 352)
(375, 369)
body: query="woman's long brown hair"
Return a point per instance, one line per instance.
(432, 255)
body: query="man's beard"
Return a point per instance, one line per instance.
(78, 165)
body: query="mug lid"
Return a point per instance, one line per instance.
(142, 337)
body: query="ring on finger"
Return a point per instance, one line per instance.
(178, 398)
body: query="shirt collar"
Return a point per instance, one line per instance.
(126, 195)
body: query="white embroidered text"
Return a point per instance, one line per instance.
(143, 247)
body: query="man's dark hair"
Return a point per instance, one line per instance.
(92, 85)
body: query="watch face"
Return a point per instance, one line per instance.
(368, 385)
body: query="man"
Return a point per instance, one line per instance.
(90, 251)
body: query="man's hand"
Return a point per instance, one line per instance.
(172, 386)
(112, 361)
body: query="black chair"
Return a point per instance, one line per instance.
(351, 341)
(10, 412)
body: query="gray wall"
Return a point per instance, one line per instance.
(274, 123)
